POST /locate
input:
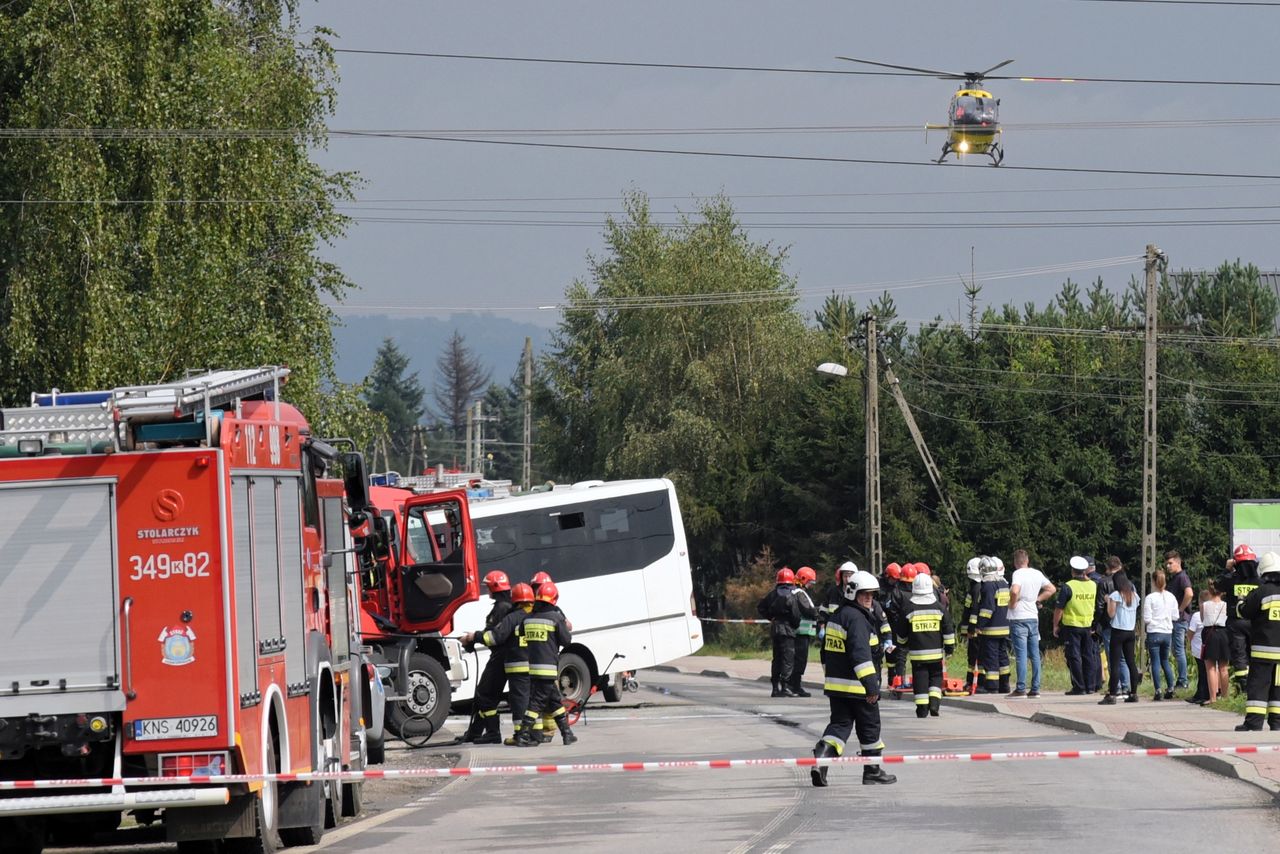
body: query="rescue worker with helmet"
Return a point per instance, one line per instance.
(993, 627)
(508, 636)
(484, 728)
(926, 631)
(851, 682)
(892, 598)
(545, 726)
(1073, 618)
(1236, 585)
(1261, 607)
(969, 621)
(546, 632)
(805, 579)
(779, 607)
(881, 644)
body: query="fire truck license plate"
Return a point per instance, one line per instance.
(194, 726)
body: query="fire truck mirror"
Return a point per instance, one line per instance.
(355, 480)
(380, 538)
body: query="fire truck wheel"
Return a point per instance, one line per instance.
(377, 751)
(575, 677)
(266, 807)
(429, 694)
(23, 835)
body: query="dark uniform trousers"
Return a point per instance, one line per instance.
(784, 657)
(489, 687)
(995, 660)
(1079, 651)
(1262, 693)
(926, 687)
(973, 645)
(800, 661)
(518, 697)
(545, 699)
(854, 715)
(1238, 634)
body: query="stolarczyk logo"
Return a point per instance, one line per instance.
(167, 505)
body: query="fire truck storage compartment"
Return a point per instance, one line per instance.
(58, 600)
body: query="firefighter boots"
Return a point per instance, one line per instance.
(935, 706)
(566, 734)
(873, 774)
(818, 773)
(492, 732)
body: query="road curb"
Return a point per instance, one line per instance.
(977, 705)
(1225, 766)
(1068, 722)
(719, 674)
(665, 668)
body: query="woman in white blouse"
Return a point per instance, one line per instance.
(1159, 610)
(1216, 652)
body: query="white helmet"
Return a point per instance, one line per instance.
(922, 588)
(1269, 564)
(859, 581)
(844, 570)
(973, 569)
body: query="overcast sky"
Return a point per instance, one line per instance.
(509, 266)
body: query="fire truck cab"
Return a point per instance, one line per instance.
(178, 597)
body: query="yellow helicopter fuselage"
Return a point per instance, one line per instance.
(973, 123)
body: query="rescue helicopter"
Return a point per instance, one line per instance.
(973, 120)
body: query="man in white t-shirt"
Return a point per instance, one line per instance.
(1027, 589)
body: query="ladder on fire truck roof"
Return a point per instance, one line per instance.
(85, 422)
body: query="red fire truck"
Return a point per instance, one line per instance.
(178, 591)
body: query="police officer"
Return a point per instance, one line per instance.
(969, 620)
(851, 683)
(780, 608)
(926, 630)
(805, 579)
(484, 728)
(1073, 618)
(509, 636)
(993, 627)
(546, 632)
(1236, 584)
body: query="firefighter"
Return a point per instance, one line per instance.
(993, 627)
(509, 637)
(969, 621)
(899, 592)
(546, 632)
(545, 726)
(1261, 607)
(1236, 584)
(926, 630)
(484, 728)
(851, 683)
(881, 644)
(783, 613)
(805, 579)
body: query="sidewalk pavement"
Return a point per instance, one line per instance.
(1171, 723)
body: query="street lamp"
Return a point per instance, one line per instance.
(833, 369)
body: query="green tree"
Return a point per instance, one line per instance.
(397, 397)
(171, 213)
(677, 359)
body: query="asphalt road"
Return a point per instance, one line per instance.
(1134, 805)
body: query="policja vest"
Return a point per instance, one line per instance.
(1079, 610)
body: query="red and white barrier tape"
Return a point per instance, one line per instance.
(725, 620)
(669, 765)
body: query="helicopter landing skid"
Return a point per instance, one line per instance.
(995, 152)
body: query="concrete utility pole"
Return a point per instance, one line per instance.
(874, 550)
(527, 469)
(470, 452)
(1155, 259)
(478, 461)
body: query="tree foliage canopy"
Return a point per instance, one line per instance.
(153, 237)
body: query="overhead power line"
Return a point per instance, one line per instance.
(777, 70)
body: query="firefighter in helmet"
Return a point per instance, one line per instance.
(969, 620)
(546, 632)
(780, 608)
(1261, 607)
(508, 636)
(1236, 585)
(926, 630)
(545, 726)
(851, 682)
(484, 728)
(805, 579)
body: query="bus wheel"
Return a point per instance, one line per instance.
(613, 691)
(429, 693)
(575, 677)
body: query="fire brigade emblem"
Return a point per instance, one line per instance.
(178, 645)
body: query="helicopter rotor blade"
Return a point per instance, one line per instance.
(979, 75)
(945, 75)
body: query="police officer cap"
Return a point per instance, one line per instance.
(1079, 564)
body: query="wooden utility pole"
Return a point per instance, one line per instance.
(874, 551)
(1154, 260)
(527, 468)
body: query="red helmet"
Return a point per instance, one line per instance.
(540, 578)
(909, 572)
(893, 571)
(522, 594)
(785, 576)
(806, 575)
(923, 569)
(497, 581)
(548, 592)
(1243, 552)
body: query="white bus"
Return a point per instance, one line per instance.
(618, 555)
